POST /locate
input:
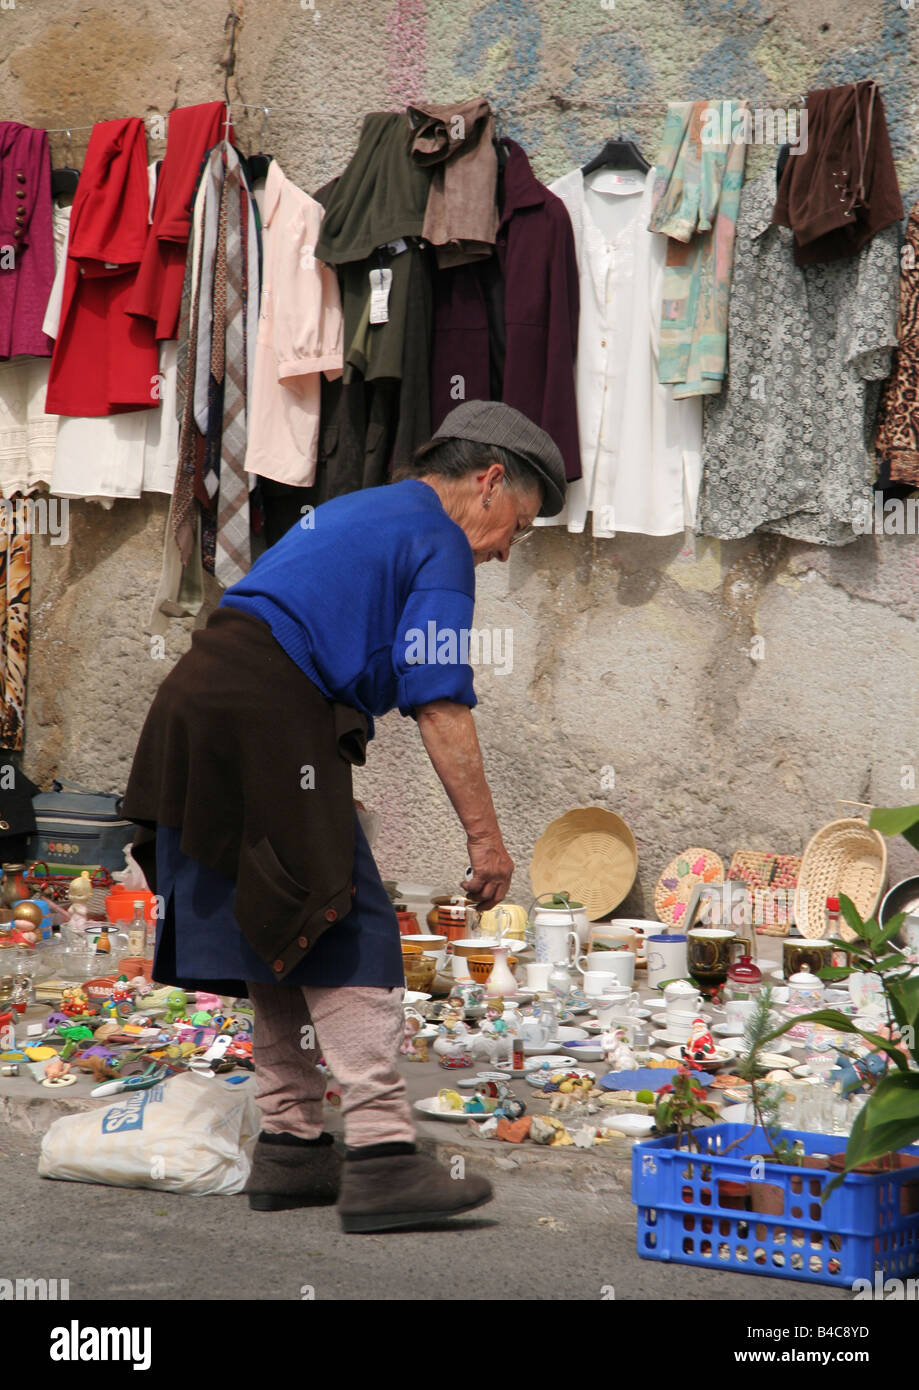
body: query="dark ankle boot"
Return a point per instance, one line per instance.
(404, 1189)
(291, 1172)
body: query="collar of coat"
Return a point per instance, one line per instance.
(522, 189)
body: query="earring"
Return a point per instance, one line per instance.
(486, 501)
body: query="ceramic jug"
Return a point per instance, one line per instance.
(557, 931)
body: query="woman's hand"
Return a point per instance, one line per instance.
(492, 870)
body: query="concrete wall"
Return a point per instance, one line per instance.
(633, 686)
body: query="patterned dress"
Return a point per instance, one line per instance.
(897, 439)
(784, 447)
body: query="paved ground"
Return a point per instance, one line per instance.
(561, 1227)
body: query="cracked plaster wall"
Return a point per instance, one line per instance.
(632, 659)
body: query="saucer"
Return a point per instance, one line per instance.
(713, 1063)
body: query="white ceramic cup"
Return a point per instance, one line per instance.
(538, 975)
(598, 982)
(618, 963)
(682, 1005)
(667, 959)
(614, 1009)
(739, 1010)
(680, 1022)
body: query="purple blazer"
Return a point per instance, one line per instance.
(26, 240)
(538, 265)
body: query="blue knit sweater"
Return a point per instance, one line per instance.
(371, 595)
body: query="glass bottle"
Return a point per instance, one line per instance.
(137, 932)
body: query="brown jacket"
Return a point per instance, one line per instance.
(843, 189)
(242, 751)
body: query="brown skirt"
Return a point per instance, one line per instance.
(244, 754)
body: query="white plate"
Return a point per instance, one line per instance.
(530, 1049)
(414, 996)
(567, 1034)
(633, 1125)
(431, 1107)
(588, 1053)
(507, 1070)
(728, 1030)
(538, 1077)
(635, 1013)
(660, 1020)
(737, 1114)
(775, 1058)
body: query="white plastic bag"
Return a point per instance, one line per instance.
(191, 1134)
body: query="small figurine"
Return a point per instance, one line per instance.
(56, 1068)
(79, 894)
(619, 1055)
(176, 1005)
(73, 1001)
(451, 1043)
(700, 1045)
(131, 876)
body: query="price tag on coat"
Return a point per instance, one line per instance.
(380, 285)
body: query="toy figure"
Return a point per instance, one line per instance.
(176, 1005)
(701, 1044)
(79, 894)
(131, 876)
(451, 1043)
(619, 1055)
(73, 1001)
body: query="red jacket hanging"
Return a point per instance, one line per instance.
(157, 293)
(104, 361)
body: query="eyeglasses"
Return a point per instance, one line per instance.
(523, 535)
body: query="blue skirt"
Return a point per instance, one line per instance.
(199, 943)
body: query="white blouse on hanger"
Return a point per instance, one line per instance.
(640, 449)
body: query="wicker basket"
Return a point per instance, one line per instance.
(845, 856)
(588, 853)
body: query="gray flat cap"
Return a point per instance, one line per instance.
(492, 422)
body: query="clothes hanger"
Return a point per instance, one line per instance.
(64, 180)
(618, 154)
(257, 164)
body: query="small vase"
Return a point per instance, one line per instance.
(501, 980)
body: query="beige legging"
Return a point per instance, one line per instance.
(357, 1029)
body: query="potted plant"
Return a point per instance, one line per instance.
(680, 1104)
(889, 1120)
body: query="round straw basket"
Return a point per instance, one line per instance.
(589, 853)
(848, 857)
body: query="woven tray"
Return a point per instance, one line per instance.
(762, 870)
(591, 855)
(845, 856)
(674, 887)
(770, 877)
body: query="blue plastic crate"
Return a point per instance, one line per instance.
(865, 1224)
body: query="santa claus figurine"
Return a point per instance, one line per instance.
(700, 1045)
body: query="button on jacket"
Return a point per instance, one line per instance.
(26, 240)
(299, 336)
(537, 260)
(640, 448)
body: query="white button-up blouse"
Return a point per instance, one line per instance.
(640, 448)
